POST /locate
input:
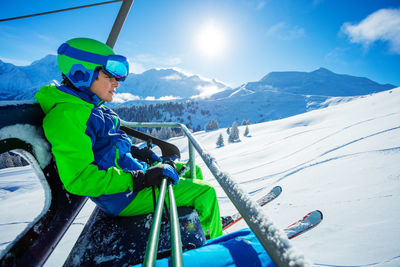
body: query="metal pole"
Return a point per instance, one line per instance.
(119, 22)
(272, 238)
(152, 244)
(192, 160)
(176, 243)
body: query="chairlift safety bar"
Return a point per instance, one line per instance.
(280, 251)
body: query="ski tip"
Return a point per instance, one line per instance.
(320, 213)
(277, 189)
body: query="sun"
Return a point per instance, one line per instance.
(211, 40)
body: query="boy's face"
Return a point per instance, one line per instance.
(104, 87)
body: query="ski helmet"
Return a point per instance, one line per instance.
(79, 59)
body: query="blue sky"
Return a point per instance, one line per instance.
(234, 41)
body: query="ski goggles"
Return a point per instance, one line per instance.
(115, 65)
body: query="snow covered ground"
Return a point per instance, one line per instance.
(342, 160)
(21, 200)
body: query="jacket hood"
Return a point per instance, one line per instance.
(50, 95)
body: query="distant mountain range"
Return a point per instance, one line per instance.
(22, 83)
(276, 95)
(321, 82)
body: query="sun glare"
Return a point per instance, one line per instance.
(211, 40)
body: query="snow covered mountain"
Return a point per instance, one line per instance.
(321, 82)
(21, 83)
(169, 84)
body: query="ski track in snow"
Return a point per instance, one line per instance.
(300, 166)
(314, 143)
(382, 263)
(3, 224)
(304, 166)
(298, 169)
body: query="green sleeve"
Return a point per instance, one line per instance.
(65, 127)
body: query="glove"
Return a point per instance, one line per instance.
(171, 163)
(144, 165)
(145, 154)
(156, 173)
(153, 176)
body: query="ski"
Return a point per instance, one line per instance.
(228, 221)
(308, 222)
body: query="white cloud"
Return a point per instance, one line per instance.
(283, 31)
(163, 98)
(123, 97)
(169, 98)
(206, 91)
(383, 25)
(172, 77)
(135, 67)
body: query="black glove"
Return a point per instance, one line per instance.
(170, 162)
(153, 176)
(145, 154)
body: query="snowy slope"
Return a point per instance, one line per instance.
(342, 160)
(21, 200)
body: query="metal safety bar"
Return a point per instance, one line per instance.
(272, 238)
(152, 244)
(176, 243)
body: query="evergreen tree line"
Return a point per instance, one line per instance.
(152, 112)
(163, 112)
(182, 112)
(212, 125)
(11, 160)
(161, 133)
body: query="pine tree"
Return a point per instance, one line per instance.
(212, 125)
(154, 132)
(220, 141)
(246, 122)
(246, 131)
(163, 133)
(6, 160)
(234, 135)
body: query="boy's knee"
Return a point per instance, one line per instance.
(210, 190)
